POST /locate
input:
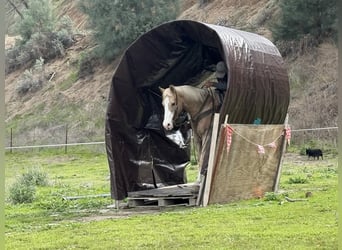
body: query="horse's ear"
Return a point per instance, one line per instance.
(172, 88)
(161, 90)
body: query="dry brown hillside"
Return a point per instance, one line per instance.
(81, 103)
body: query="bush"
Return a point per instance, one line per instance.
(16, 58)
(22, 192)
(87, 64)
(297, 180)
(40, 45)
(271, 196)
(35, 176)
(41, 37)
(65, 31)
(45, 45)
(32, 79)
(38, 18)
(23, 189)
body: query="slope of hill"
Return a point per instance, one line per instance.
(80, 103)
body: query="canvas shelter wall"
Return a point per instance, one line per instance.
(241, 172)
(140, 153)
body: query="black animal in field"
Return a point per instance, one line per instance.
(315, 153)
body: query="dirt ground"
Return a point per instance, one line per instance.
(112, 213)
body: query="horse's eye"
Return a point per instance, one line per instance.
(173, 104)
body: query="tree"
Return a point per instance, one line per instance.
(37, 18)
(117, 23)
(305, 17)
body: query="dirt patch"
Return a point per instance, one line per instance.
(302, 160)
(10, 41)
(125, 213)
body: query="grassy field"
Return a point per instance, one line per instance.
(49, 222)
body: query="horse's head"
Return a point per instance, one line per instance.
(172, 106)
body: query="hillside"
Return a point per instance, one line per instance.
(80, 103)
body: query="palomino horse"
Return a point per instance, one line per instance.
(200, 104)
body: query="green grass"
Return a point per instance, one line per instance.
(268, 223)
(72, 78)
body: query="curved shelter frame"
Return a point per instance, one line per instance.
(140, 153)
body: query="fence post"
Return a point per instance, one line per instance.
(66, 139)
(11, 141)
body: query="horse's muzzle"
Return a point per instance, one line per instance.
(168, 125)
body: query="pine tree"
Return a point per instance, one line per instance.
(118, 23)
(306, 17)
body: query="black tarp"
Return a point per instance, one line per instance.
(140, 153)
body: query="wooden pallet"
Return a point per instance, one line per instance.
(176, 195)
(161, 202)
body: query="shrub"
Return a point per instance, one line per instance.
(41, 36)
(35, 176)
(45, 45)
(297, 180)
(65, 38)
(22, 192)
(65, 31)
(25, 84)
(40, 45)
(87, 64)
(23, 189)
(32, 79)
(15, 58)
(271, 196)
(38, 18)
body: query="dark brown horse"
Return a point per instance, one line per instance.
(200, 104)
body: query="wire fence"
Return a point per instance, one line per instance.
(61, 136)
(318, 136)
(327, 135)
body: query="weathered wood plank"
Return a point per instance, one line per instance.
(205, 196)
(280, 164)
(168, 191)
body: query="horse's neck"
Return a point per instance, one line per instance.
(193, 98)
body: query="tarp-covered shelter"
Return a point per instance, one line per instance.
(140, 153)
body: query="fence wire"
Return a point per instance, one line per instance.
(62, 136)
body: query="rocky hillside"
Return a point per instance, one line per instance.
(80, 103)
